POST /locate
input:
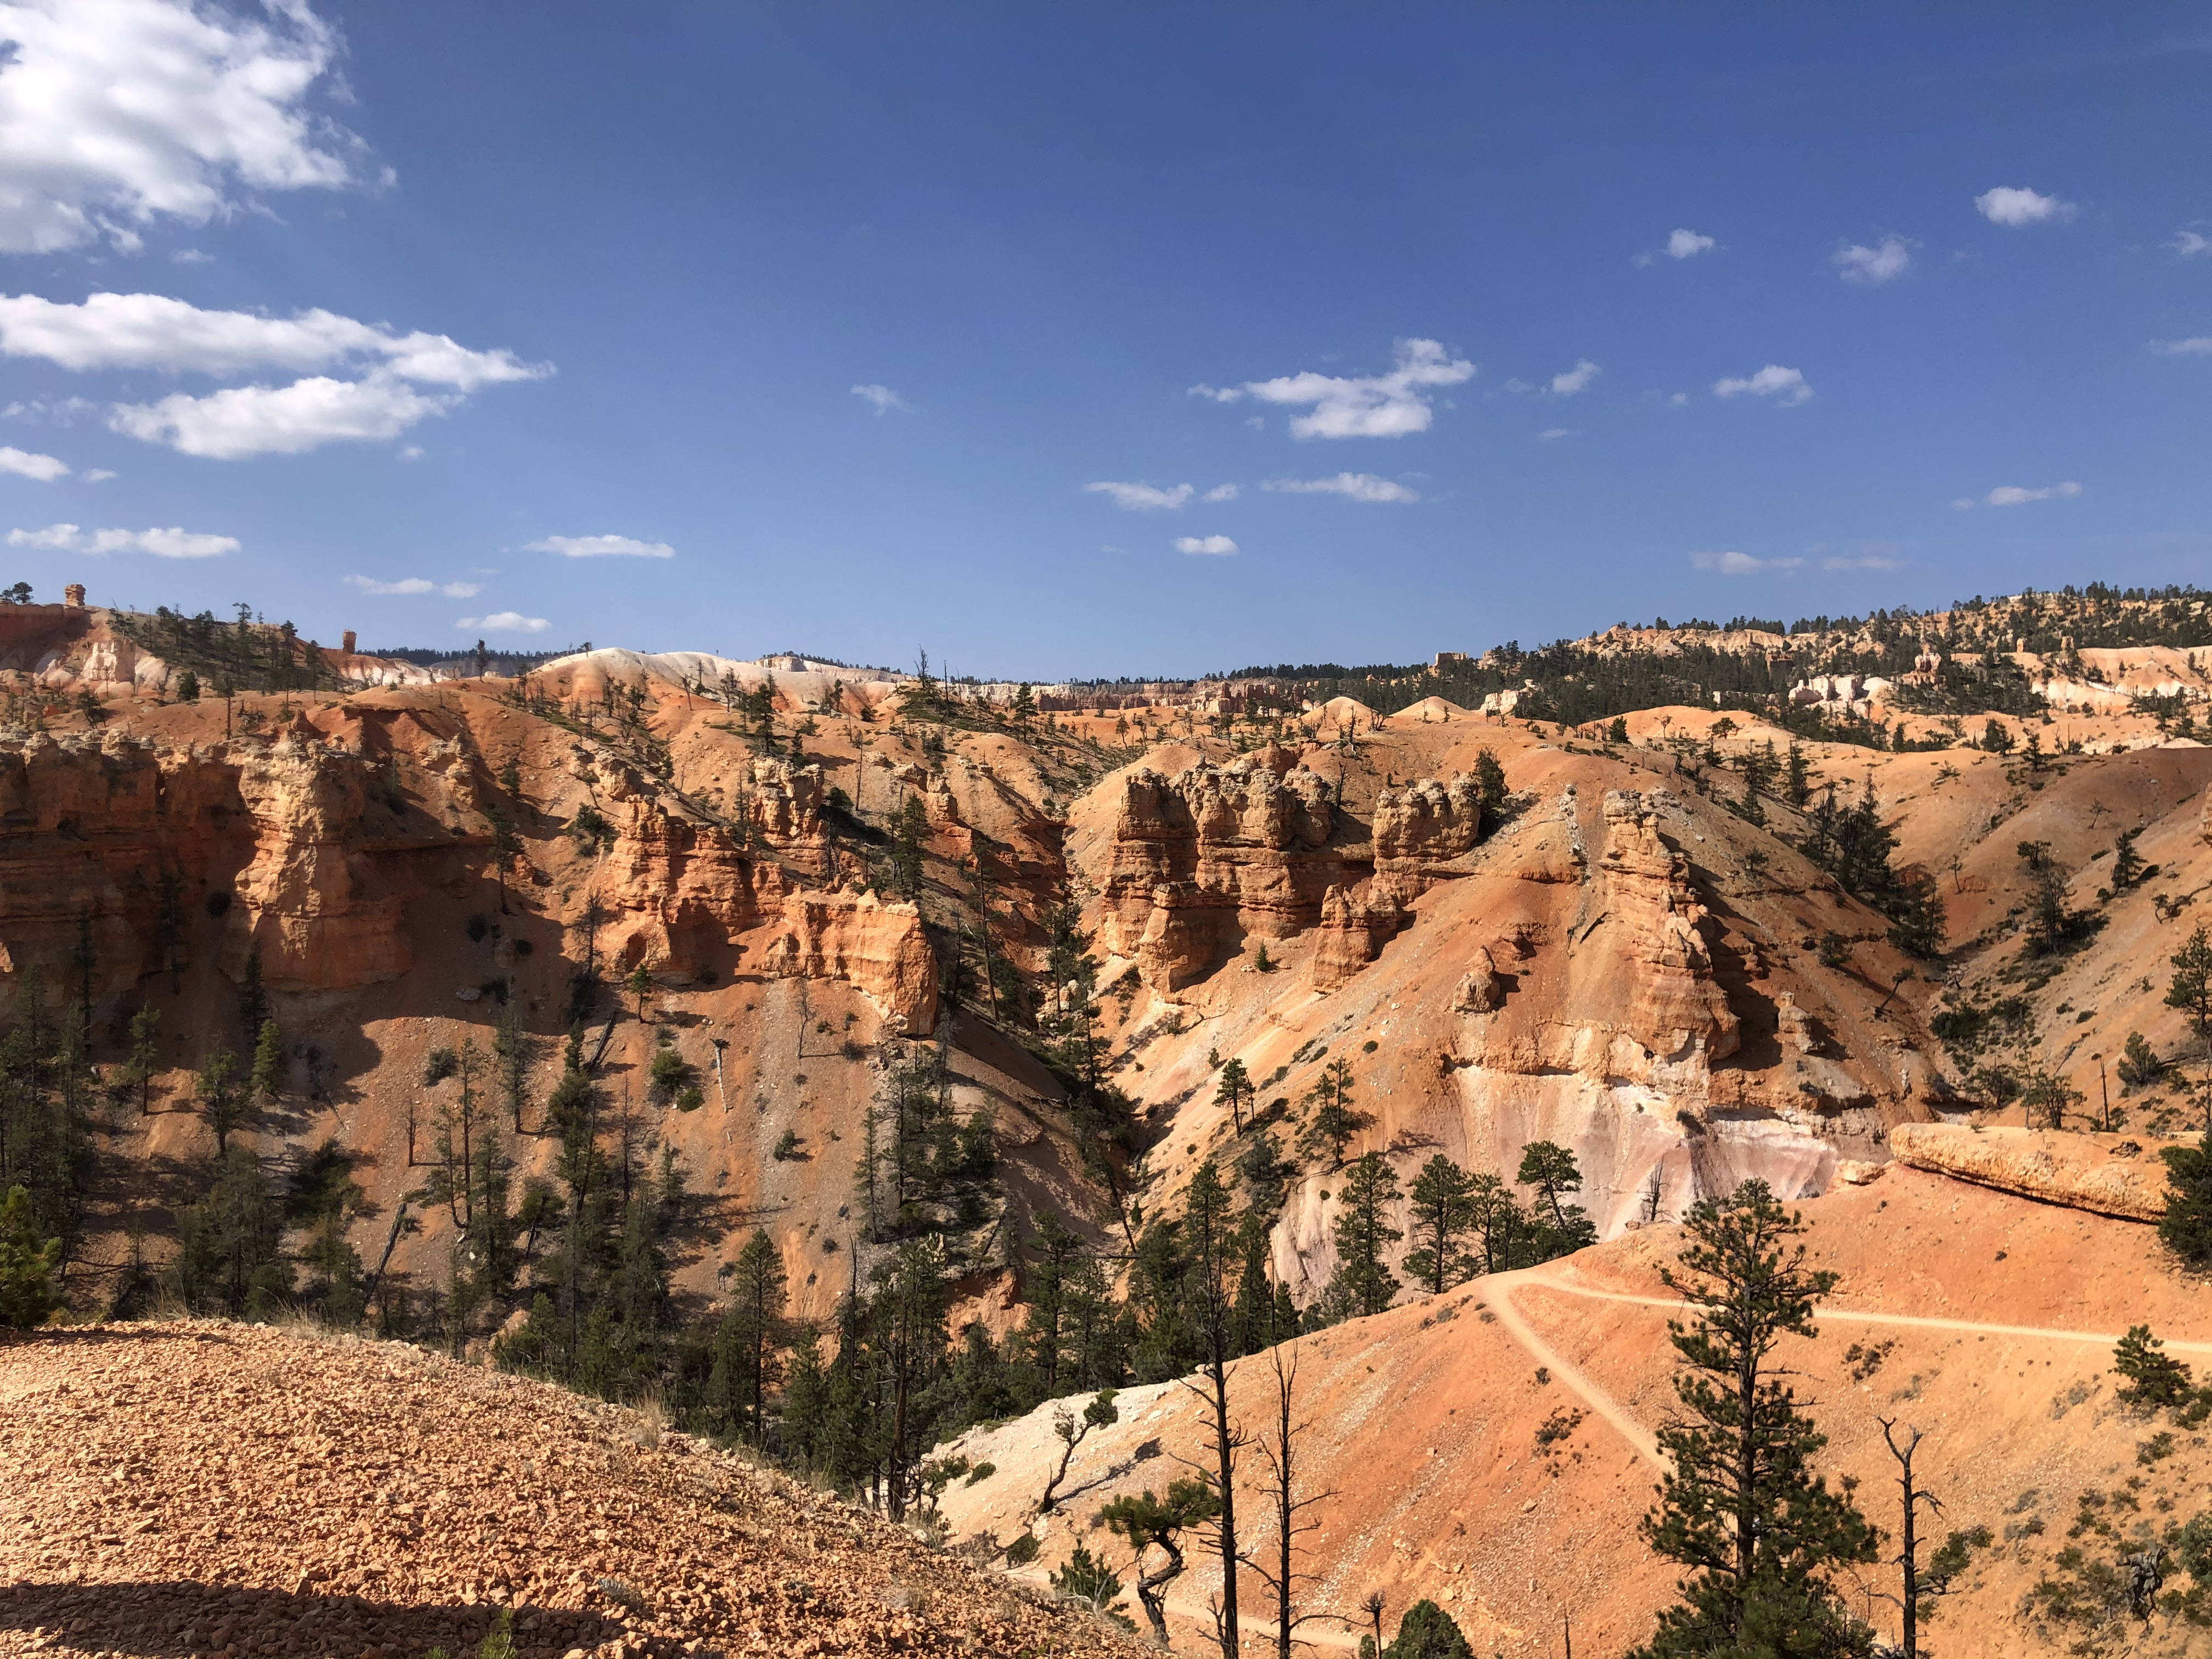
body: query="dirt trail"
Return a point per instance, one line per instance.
(1867, 1315)
(1598, 1400)
(1635, 1433)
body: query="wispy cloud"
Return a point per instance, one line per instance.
(600, 547)
(506, 622)
(2201, 346)
(1576, 379)
(882, 397)
(1873, 266)
(1389, 406)
(1552, 435)
(1740, 564)
(2016, 206)
(408, 586)
(1216, 544)
(2015, 495)
(1144, 497)
(1863, 561)
(171, 543)
(1220, 493)
(2191, 245)
(1785, 386)
(1353, 486)
(24, 465)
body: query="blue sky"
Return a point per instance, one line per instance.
(757, 327)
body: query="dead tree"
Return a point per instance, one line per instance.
(1279, 1450)
(1071, 1431)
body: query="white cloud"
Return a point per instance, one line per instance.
(1740, 564)
(153, 330)
(170, 544)
(408, 586)
(1144, 497)
(883, 397)
(24, 465)
(260, 419)
(116, 113)
(1964, 503)
(506, 622)
(95, 475)
(600, 547)
(1786, 384)
(1353, 486)
(2014, 495)
(1576, 378)
(2199, 347)
(412, 452)
(2007, 205)
(1204, 545)
(1864, 562)
(1873, 266)
(2190, 245)
(1220, 493)
(1679, 400)
(1552, 435)
(1372, 406)
(1683, 244)
(192, 256)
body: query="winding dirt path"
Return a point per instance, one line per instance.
(1510, 1315)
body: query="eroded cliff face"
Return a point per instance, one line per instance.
(1199, 862)
(122, 834)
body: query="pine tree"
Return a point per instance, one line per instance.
(1552, 1171)
(1427, 1631)
(2190, 989)
(27, 1265)
(253, 1000)
(268, 1079)
(219, 1097)
(2154, 1377)
(751, 1332)
(2185, 1229)
(1336, 1120)
(1148, 1523)
(1363, 1233)
(145, 1055)
(1442, 1212)
(1490, 788)
(1744, 1509)
(513, 1046)
(1233, 1089)
(1496, 1219)
(1797, 776)
(229, 1245)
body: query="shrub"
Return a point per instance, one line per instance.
(786, 1148)
(1023, 1550)
(441, 1065)
(2154, 1377)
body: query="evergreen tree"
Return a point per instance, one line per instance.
(1797, 776)
(1362, 1233)
(1233, 1089)
(2190, 989)
(253, 1001)
(1148, 1522)
(1336, 1119)
(1427, 1631)
(1496, 1219)
(513, 1047)
(27, 1266)
(1743, 1509)
(751, 1332)
(268, 1079)
(2185, 1229)
(1442, 1212)
(222, 1101)
(1210, 1238)
(1552, 1171)
(805, 1397)
(229, 1245)
(1490, 788)
(2155, 1377)
(145, 1058)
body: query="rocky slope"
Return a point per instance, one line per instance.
(217, 1489)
